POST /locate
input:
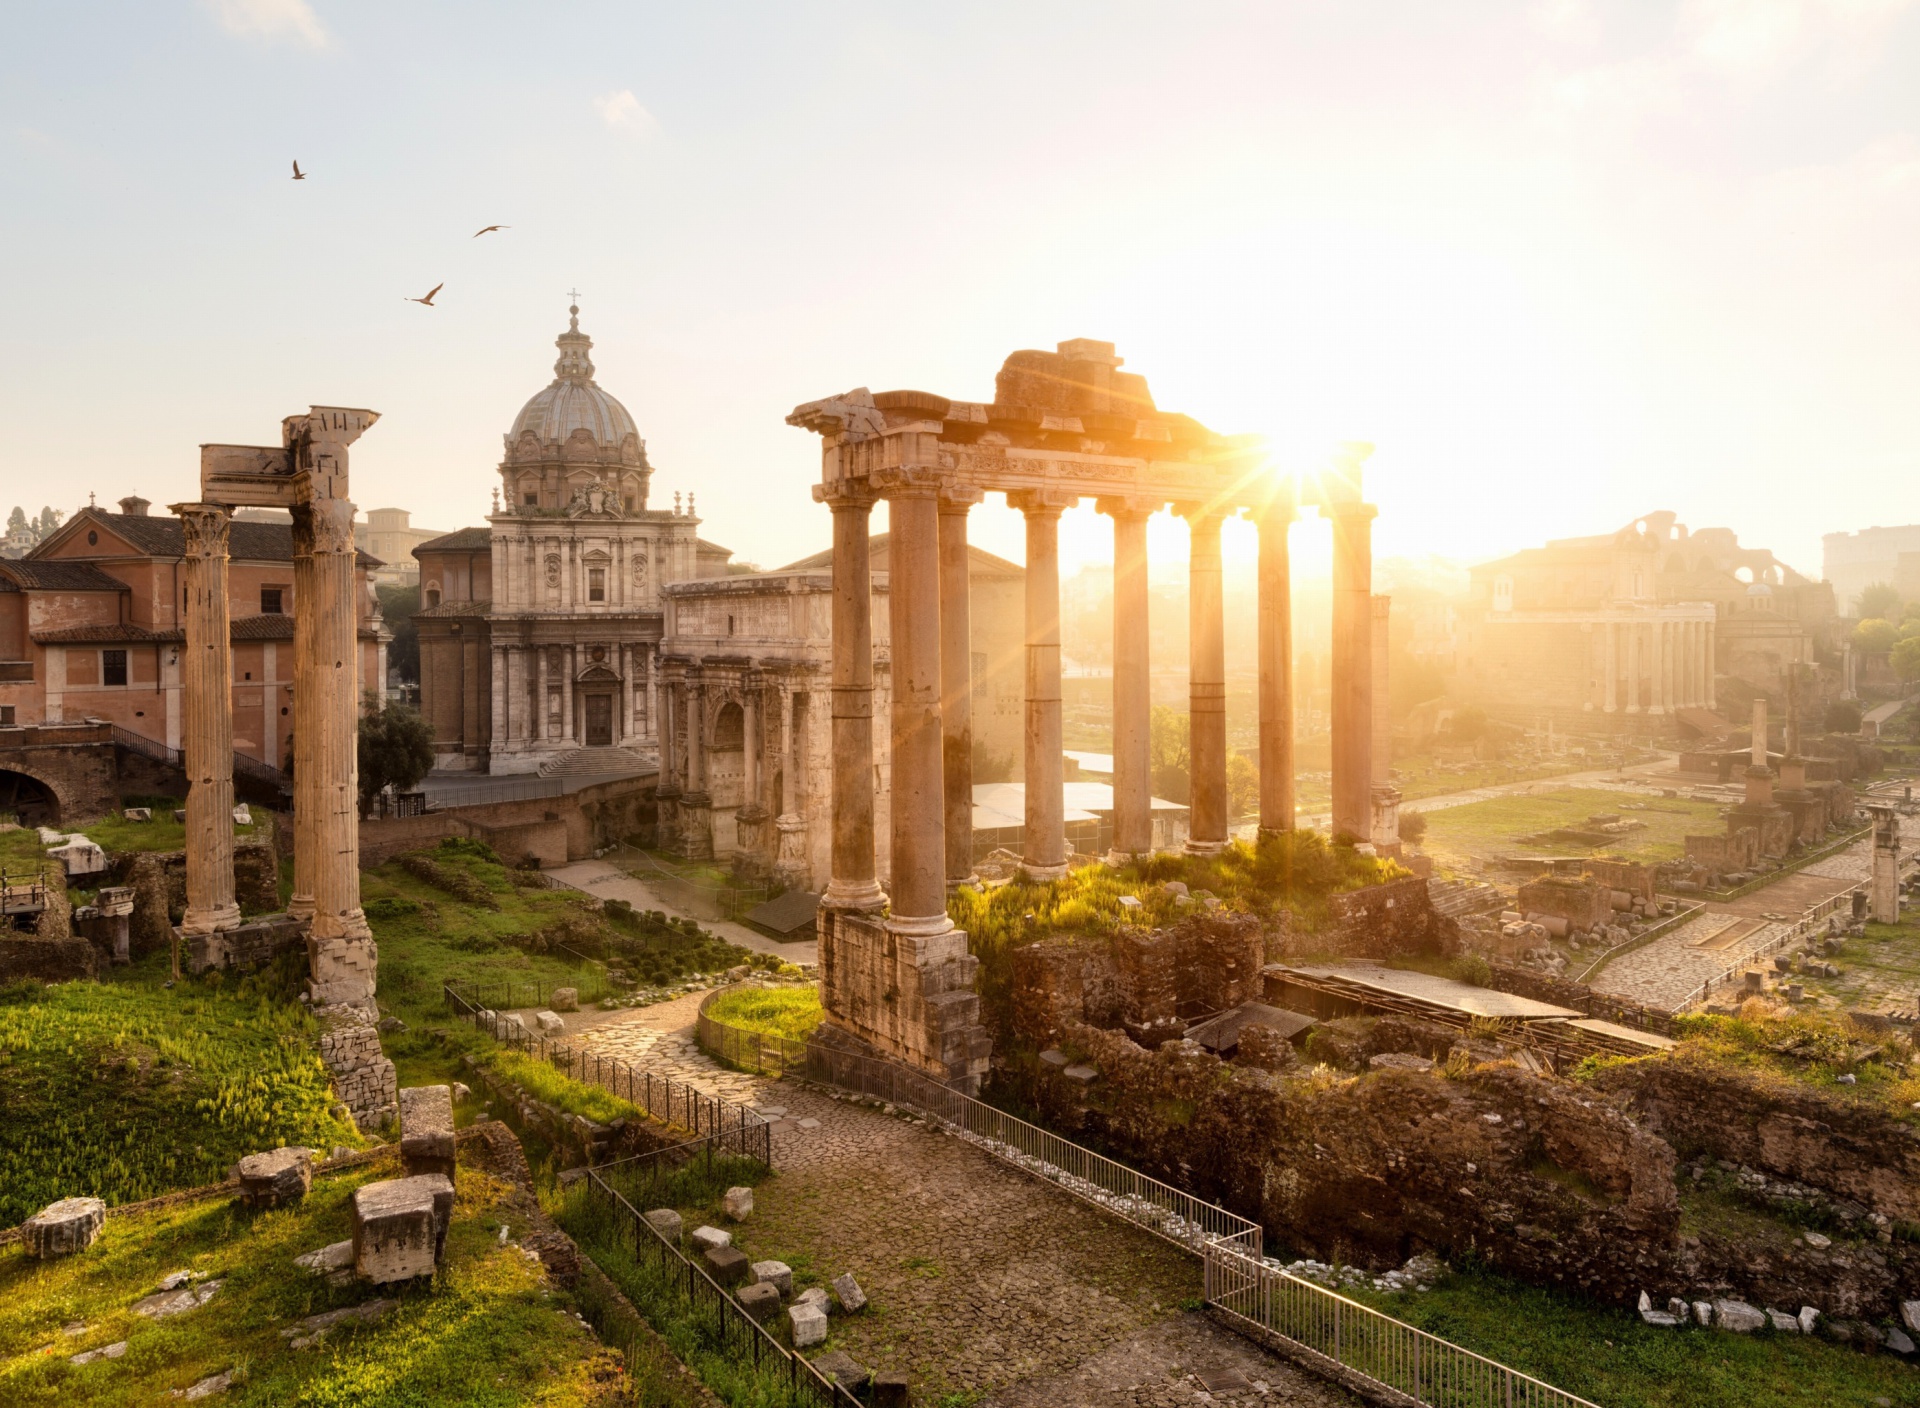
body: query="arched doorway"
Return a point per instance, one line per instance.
(27, 799)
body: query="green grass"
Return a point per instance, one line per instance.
(546, 1083)
(1609, 1356)
(1458, 836)
(792, 1013)
(484, 1333)
(124, 1090)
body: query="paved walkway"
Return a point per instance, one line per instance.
(610, 882)
(979, 1279)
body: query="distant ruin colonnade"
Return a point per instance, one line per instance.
(902, 986)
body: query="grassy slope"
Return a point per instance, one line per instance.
(1610, 1357)
(484, 1333)
(124, 1089)
(1458, 835)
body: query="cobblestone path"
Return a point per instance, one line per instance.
(979, 1278)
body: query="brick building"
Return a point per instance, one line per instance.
(91, 628)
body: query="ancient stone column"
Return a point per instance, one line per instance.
(207, 679)
(1609, 666)
(340, 946)
(851, 884)
(1045, 848)
(1206, 681)
(1132, 683)
(1276, 666)
(917, 815)
(309, 796)
(956, 679)
(1352, 667)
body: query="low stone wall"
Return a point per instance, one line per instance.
(1850, 1149)
(1383, 921)
(1521, 1172)
(49, 960)
(553, 830)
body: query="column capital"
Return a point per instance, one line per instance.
(956, 499)
(1128, 506)
(1042, 503)
(206, 526)
(846, 495)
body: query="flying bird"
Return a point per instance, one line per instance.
(428, 300)
(298, 174)
(490, 229)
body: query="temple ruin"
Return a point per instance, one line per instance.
(1062, 426)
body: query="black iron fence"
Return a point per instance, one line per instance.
(674, 1102)
(740, 1337)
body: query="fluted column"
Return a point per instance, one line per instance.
(956, 679)
(1352, 667)
(207, 679)
(1276, 666)
(851, 884)
(917, 814)
(1132, 682)
(1045, 848)
(308, 794)
(1206, 681)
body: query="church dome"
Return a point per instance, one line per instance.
(573, 401)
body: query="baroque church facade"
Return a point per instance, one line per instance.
(540, 634)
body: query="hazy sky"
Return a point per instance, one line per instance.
(1562, 262)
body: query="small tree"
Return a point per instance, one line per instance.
(396, 748)
(1906, 659)
(1875, 636)
(1879, 600)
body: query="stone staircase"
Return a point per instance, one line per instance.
(596, 762)
(1455, 898)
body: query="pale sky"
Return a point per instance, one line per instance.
(1563, 262)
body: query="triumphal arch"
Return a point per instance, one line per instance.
(1063, 426)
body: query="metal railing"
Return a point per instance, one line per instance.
(674, 1102)
(1159, 1208)
(759, 1052)
(1261, 1301)
(740, 1337)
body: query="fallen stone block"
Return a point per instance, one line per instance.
(426, 1130)
(737, 1203)
(760, 1300)
(890, 1390)
(668, 1224)
(566, 999)
(727, 1265)
(776, 1274)
(549, 1023)
(276, 1178)
(809, 1323)
(842, 1368)
(1737, 1316)
(847, 1291)
(106, 1351)
(333, 1261)
(707, 1238)
(162, 1305)
(63, 1228)
(399, 1227)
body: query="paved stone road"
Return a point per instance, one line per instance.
(979, 1278)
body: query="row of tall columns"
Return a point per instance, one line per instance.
(1669, 663)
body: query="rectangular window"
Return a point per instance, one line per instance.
(113, 667)
(270, 601)
(596, 584)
